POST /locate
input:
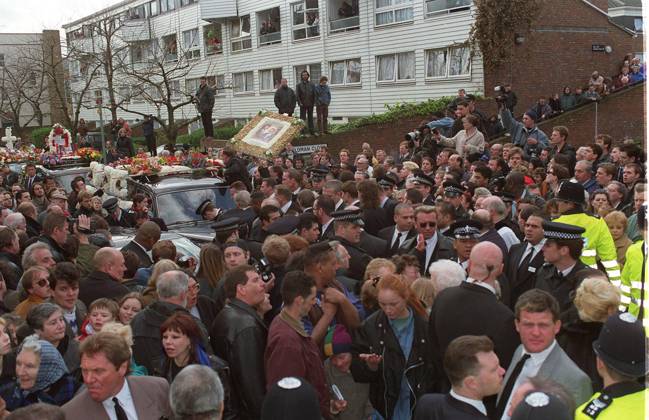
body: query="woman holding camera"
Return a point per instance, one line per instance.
(467, 141)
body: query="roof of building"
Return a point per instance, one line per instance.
(624, 3)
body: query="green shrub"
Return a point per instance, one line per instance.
(398, 111)
(38, 135)
(222, 133)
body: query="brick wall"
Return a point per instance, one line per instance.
(557, 52)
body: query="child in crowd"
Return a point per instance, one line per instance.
(356, 396)
(100, 312)
(617, 222)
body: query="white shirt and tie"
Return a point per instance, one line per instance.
(530, 369)
(395, 237)
(430, 247)
(125, 401)
(535, 250)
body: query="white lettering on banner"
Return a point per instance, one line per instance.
(308, 148)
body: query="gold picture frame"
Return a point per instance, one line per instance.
(266, 134)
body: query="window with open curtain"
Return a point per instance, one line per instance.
(406, 66)
(385, 68)
(460, 61)
(354, 71)
(404, 15)
(436, 63)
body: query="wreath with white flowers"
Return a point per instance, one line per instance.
(59, 140)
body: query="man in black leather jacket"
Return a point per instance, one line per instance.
(239, 335)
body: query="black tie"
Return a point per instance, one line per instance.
(397, 242)
(525, 263)
(119, 411)
(507, 390)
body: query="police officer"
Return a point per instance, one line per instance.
(347, 227)
(620, 351)
(207, 210)
(598, 242)
(634, 287)
(453, 194)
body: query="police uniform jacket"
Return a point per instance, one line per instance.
(562, 288)
(376, 336)
(359, 259)
(624, 400)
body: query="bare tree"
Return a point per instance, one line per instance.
(155, 74)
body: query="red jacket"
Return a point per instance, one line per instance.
(290, 351)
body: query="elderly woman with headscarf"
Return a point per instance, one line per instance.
(41, 376)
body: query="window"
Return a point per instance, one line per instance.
(76, 98)
(190, 43)
(191, 86)
(2, 60)
(393, 11)
(213, 38)
(220, 84)
(154, 8)
(270, 79)
(306, 19)
(315, 71)
(638, 25)
(447, 62)
(184, 3)
(434, 7)
(395, 67)
(170, 47)
(75, 66)
(124, 93)
(152, 93)
(98, 97)
(167, 5)
(138, 12)
(243, 82)
(346, 72)
(176, 92)
(141, 52)
(240, 34)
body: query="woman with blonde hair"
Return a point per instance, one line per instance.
(399, 328)
(595, 300)
(125, 331)
(424, 289)
(375, 270)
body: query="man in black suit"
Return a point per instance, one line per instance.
(374, 246)
(287, 205)
(31, 176)
(472, 308)
(428, 246)
(474, 372)
(147, 235)
(323, 207)
(334, 190)
(488, 233)
(524, 260)
(404, 228)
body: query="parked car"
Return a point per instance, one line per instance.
(184, 246)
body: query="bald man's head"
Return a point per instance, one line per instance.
(483, 216)
(104, 258)
(485, 262)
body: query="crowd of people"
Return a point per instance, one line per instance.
(449, 279)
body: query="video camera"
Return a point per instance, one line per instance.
(501, 95)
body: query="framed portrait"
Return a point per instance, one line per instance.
(267, 134)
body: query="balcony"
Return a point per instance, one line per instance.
(434, 7)
(217, 10)
(135, 30)
(346, 24)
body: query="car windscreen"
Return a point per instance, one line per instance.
(180, 206)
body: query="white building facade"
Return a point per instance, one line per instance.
(374, 52)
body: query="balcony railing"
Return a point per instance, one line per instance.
(345, 24)
(271, 38)
(213, 48)
(446, 6)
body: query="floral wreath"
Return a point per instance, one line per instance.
(59, 131)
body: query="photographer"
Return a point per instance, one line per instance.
(524, 134)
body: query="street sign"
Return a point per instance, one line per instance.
(309, 148)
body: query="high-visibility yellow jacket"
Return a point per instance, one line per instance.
(598, 243)
(631, 286)
(627, 407)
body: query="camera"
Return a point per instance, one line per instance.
(501, 95)
(413, 135)
(264, 270)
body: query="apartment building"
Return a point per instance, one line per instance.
(27, 96)
(374, 52)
